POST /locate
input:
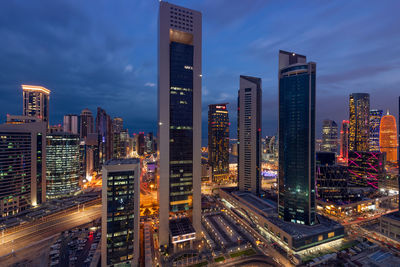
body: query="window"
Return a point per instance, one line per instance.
(320, 238)
(331, 234)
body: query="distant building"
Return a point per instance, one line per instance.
(375, 116)
(332, 183)
(86, 123)
(296, 139)
(150, 143)
(36, 102)
(366, 168)
(388, 137)
(90, 155)
(22, 166)
(71, 124)
(120, 213)
(325, 158)
(329, 136)
(104, 130)
(17, 119)
(218, 141)
(56, 128)
(140, 144)
(120, 144)
(359, 122)
(344, 140)
(249, 134)
(117, 125)
(63, 166)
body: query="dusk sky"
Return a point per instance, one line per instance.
(104, 53)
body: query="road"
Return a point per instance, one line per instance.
(34, 233)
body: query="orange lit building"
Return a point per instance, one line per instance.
(388, 137)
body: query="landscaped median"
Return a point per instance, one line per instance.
(248, 252)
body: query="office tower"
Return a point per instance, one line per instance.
(332, 181)
(17, 119)
(120, 213)
(375, 116)
(249, 134)
(91, 155)
(179, 120)
(359, 122)
(329, 136)
(139, 143)
(104, 130)
(86, 123)
(120, 144)
(325, 158)
(388, 137)
(36, 102)
(22, 166)
(366, 168)
(71, 124)
(296, 199)
(344, 140)
(150, 143)
(62, 165)
(117, 125)
(218, 142)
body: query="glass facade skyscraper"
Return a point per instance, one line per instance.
(359, 122)
(104, 131)
(375, 116)
(296, 201)
(86, 123)
(329, 136)
(344, 140)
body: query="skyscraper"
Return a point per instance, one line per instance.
(36, 102)
(120, 213)
(375, 116)
(249, 134)
(218, 141)
(22, 166)
(296, 199)
(62, 163)
(388, 137)
(71, 124)
(104, 130)
(86, 123)
(140, 144)
(329, 136)
(117, 125)
(179, 118)
(359, 122)
(344, 140)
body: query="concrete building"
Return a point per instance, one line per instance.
(249, 134)
(71, 124)
(120, 213)
(179, 119)
(36, 102)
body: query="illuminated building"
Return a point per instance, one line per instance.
(359, 122)
(86, 123)
(249, 134)
(344, 140)
(296, 139)
(388, 137)
(117, 125)
(120, 144)
(62, 163)
(366, 168)
(55, 128)
(71, 124)
(17, 119)
(329, 136)
(120, 213)
(332, 182)
(22, 166)
(104, 130)
(150, 143)
(375, 116)
(179, 119)
(218, 142)
(36, 102)
(89, 155)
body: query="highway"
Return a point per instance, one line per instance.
(33, 233)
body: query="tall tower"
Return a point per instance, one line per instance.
(117, 125)
(344, 140)
(329, 136)
(388, 137)
(71, 123)
(375, 116)
(359, 122)
(86, 123)
(104, 131)
(179, 117)
(249, 134)
(296, 202)
(36, 102)
(218, 141)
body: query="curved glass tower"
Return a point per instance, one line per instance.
(388, 137)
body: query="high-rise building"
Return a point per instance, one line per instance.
(179, 120)
(249, 134)
(388, 137)
(375, 116)
(218, 142)
(120, 144)
(359, 122)
(36, 102)
(332, 181)
(344, 140)
(86, 123)
(150, 143)
(104, 130)
(71, 123)
(120, 213)
(366, 168)
(117, 124)
(296, 199)
(22, 166)
(329, 136)
(140, 143)
(62, 165)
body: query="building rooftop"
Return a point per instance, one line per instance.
(394, 215)
(182, 226)
(122, 161)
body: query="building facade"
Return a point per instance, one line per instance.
(179, 116)
(359, 122)
(329, 136)
(36, 102)
(332, 183)
(120, 213)
(249, 134)
(388, 138)
(344, 140)
(86, 123)
(375, 116)
(71, 124)
(366, 168)
(296, 139)
(218, 142)
(104, 130)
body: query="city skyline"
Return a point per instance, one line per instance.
(121, 65)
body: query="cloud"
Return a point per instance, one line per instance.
(128, 68)
(149, 84)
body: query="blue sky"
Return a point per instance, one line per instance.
(104, 53)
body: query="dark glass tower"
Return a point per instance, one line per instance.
(296, 201)
(329, 136)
